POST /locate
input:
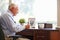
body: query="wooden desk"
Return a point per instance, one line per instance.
(40, 34)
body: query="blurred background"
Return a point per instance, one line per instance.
(44, 11)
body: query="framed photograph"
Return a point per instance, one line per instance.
(32, 22)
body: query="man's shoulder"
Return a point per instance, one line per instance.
(4, 14)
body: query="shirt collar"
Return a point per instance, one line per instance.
(10, 13)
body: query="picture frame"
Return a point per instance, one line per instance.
(32, 22)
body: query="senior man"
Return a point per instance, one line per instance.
(9, 26)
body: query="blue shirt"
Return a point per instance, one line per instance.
(9, 26)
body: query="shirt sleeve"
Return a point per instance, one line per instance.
(12, 26)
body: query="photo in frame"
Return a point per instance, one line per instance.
(32, 22)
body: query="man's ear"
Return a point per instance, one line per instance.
(12, 8)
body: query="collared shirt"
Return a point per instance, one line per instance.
(9, 26)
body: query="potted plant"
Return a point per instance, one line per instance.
(22, 21)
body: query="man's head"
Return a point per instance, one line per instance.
(13, 8)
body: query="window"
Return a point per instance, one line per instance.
(4, 5)
(42, 10)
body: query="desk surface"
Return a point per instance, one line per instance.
(39, 34)
(44, 29)
(30, 32)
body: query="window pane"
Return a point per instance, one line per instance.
(4, 5)
(42, 10)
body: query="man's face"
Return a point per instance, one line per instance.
(14, 10)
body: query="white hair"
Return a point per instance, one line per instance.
(12, 5)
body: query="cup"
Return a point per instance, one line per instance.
(40, 26)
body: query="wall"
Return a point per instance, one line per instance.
(58, 12)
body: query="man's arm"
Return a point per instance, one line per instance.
(11, 25)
